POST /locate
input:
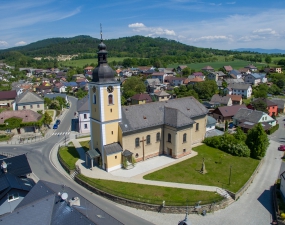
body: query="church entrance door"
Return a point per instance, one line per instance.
(170, 152)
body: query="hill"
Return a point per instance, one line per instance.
(261, 50)
(135, 46)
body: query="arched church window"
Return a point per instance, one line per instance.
(184, 137)
(137, 142)
(110, 99)
(158, 136)
(94, 98)
(169, 138)
(148, 139)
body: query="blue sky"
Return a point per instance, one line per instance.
(216, 24)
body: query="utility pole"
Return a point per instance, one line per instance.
(230, 175)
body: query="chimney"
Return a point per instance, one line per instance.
(4, 167)
(74, 201)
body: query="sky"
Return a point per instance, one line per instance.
(209, 24)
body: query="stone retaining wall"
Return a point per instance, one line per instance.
(155, 208)
(63, 164)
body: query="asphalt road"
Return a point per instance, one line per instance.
(38, 156)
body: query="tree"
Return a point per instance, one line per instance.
(268, 59)
(132, 86)
(206, 89)
(240, 135)
(68, 89)
(47, 118)
(260, 105)
(226, 125)
(55, 105)
(186, 71)
(257, 141)
(280, 83)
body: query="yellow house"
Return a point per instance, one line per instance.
(138, 131)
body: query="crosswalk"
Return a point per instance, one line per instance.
(61, 133)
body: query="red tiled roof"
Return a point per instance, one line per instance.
(158, 74)
(26, 115)
(235, 97)
(196, 79)
(89, 68)
(5, 95)
(142, 96)
(228, 68)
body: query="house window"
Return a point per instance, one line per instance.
(85, 116)
(148, 139)
(31, 106)
(94, 99)
(112, 132)
(24, 107)
(158, 136)
(169, 138)
(184, 138)
(137, 142)
(12, 197)
(197, 126)
(38, 105)
(111, 110)
(115, 157)
(184, 150)
(85, 126)
(110, 99)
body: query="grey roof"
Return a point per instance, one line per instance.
(28, 97)
(152, 82)
(280, 103)
(43, 205)
(239, 86)
(54, 95)
(220, 99)
(211, 120)
(127, 153)
(249, 115)
(93, 153)
(17, 165)
(232, 81)
(235, 72)
(112, 148)
(161, 93)
(175, 118)
(219, 73)
(212, 133)
(83, 104)
(148, 115)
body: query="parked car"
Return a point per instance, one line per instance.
(281, 148)
(55, 126)
(231, 125)
(57, 122)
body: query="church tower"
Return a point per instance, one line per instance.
(105, 112)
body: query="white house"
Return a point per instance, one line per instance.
(83, 115)
(255, 78)
(159, 75)
(239, 89)
(59, 87)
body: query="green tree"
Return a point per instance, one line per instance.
(257, 141)
(206, 89)
(47, 101)
(68, 89)
(186, 72)
(132, 86)
(240, 135)
(260, 105)
(55, 105)
(226, 125)
(47, 118)
(268, 59)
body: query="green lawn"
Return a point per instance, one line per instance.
(83, 62)
(216, 65)
(218, 173)
(152, 194)
(69, 155)
(85, 145)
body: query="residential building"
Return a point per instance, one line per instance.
(208, 69)
(280, 105)
(195, 80)
(161, 96)
(228, 68)
(83, 115)
(221, 100)
(211, 130)
(236, 99)
(180, 68)
(235, 74)
(239, 89)
(176, 81)
(255, 78)
(7, 98)
(141, 98)
(216, 75)
(248, 118)
(159, 75)
(29, 100)
(59, 88)
(271, 106)
(226, 113)
(252, 68)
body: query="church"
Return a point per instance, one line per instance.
(138, 131)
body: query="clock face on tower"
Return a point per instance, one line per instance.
(94, 89)
(110, 89)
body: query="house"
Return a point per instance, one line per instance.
(197, 74)
(239, 89)
(280, 105)
(233, 81)
(161, 96)
(141, 98)
(29, 100)
(43, 89)
(7, 98)
(248, 118)
(221, 100)
(208, 69)
(159, 75)
(216, 75)
(52, 96)
(176, 81)
(77, 76)
(271, 106)
(244, 71)
(226, 113)
(15, 184)
(59, 88)
(88, 70)
(211, 130)
(252, 68)
(228, 68)
(235, 74)
(83, 115)
(236, 99)
(49, 204)
(255, 78)
(180, 68)
(195, 80)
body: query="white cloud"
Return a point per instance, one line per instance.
(214, 38)
(215, 4)
(251, 38)
(151, 31)
(136, 25)
(20, 43)
(265, 31)
(231, 3)
(3, 43)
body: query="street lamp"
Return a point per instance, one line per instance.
(230, 175)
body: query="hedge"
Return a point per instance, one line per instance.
(17, 122)
(273, 129)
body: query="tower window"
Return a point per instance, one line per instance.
(112, 132)
(94, 99)
(137, 142)
(85, 116)
(158, 136)
(197, 126)
(110, 99)
(111, 110)
(148, 139)
(184, 137)
(169, 138)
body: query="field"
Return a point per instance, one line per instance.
(82, 62)
(218, 169)
(237, 64)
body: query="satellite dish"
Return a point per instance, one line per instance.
(64, 196)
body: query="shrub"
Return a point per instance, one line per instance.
(273, 129)
(283, 216)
